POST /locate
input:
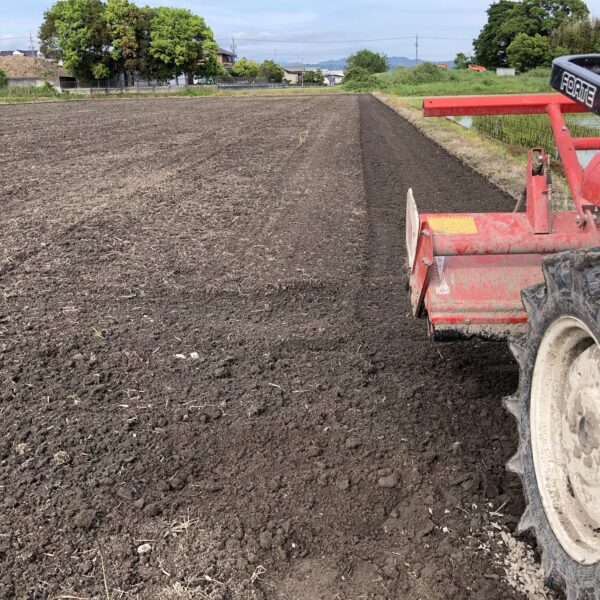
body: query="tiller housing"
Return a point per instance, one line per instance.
(468, 270)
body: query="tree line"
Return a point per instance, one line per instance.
(97, 39)
(530, 33)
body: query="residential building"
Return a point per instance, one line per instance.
(294, 75)
(333, 77)
(226, 58)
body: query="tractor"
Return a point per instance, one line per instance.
(533, 276)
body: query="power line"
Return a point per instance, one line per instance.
(239, 39)
(390, 39)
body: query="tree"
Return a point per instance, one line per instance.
(101, 71)
(529, 51)
(3, 79)
(578, 36)
(314, 77)
(75, 31)
(373, 62)
(148, 66)
(462, 61)
(359, 79)
(509, 18)
(125, 24)
(271, 71)
(97, 38)
(181, 41)
(211, 67)
(245, 68)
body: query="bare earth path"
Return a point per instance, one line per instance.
(211, 386)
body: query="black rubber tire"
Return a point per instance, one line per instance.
(571, 287)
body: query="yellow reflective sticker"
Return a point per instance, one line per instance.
(452, 224)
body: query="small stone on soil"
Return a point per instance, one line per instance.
(427, 528)
(152, 510)
(390, 481)
(343, 483)
(212, 412)
(265, 539)
(177, 483)
(85, 518)
(144, 549)
(352, 443)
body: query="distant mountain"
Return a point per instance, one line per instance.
(395, 61)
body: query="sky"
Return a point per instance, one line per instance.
(308, 31)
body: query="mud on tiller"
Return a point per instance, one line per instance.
(536, 276)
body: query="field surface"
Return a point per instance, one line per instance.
(211, 385)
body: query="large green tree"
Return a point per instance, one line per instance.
(529, 51)
(314, 77)
(125, 24)
(76, 32)
(509, 18)
(181, 41)
(245, 68)
(373, 62)
(271, 71)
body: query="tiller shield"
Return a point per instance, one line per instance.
(467, 270)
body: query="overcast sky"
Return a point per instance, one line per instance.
(309, 31)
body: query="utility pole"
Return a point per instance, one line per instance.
(31, 46)
(416, 49)
(233, 46)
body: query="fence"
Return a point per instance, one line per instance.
(121, 85)
(245, 83)
(31, 81)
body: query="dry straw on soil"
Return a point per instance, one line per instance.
(25, 66)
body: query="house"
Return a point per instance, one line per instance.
(478, 68)
(226, 58)
(441, 65)
(333, 77)
(294, 75)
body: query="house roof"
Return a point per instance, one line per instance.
(297, 70)
(225, 52)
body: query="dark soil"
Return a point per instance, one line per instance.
(211, 383)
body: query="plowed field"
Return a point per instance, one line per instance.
(211, 383)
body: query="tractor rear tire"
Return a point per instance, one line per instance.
(557, 408)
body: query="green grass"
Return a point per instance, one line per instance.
(458, 83)
(33, 94)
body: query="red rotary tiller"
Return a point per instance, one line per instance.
(534, 275)
(468, 270)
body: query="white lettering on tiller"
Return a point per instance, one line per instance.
(578, 89)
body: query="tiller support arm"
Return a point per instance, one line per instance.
(468, 270)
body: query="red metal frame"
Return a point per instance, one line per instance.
(469, 269)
